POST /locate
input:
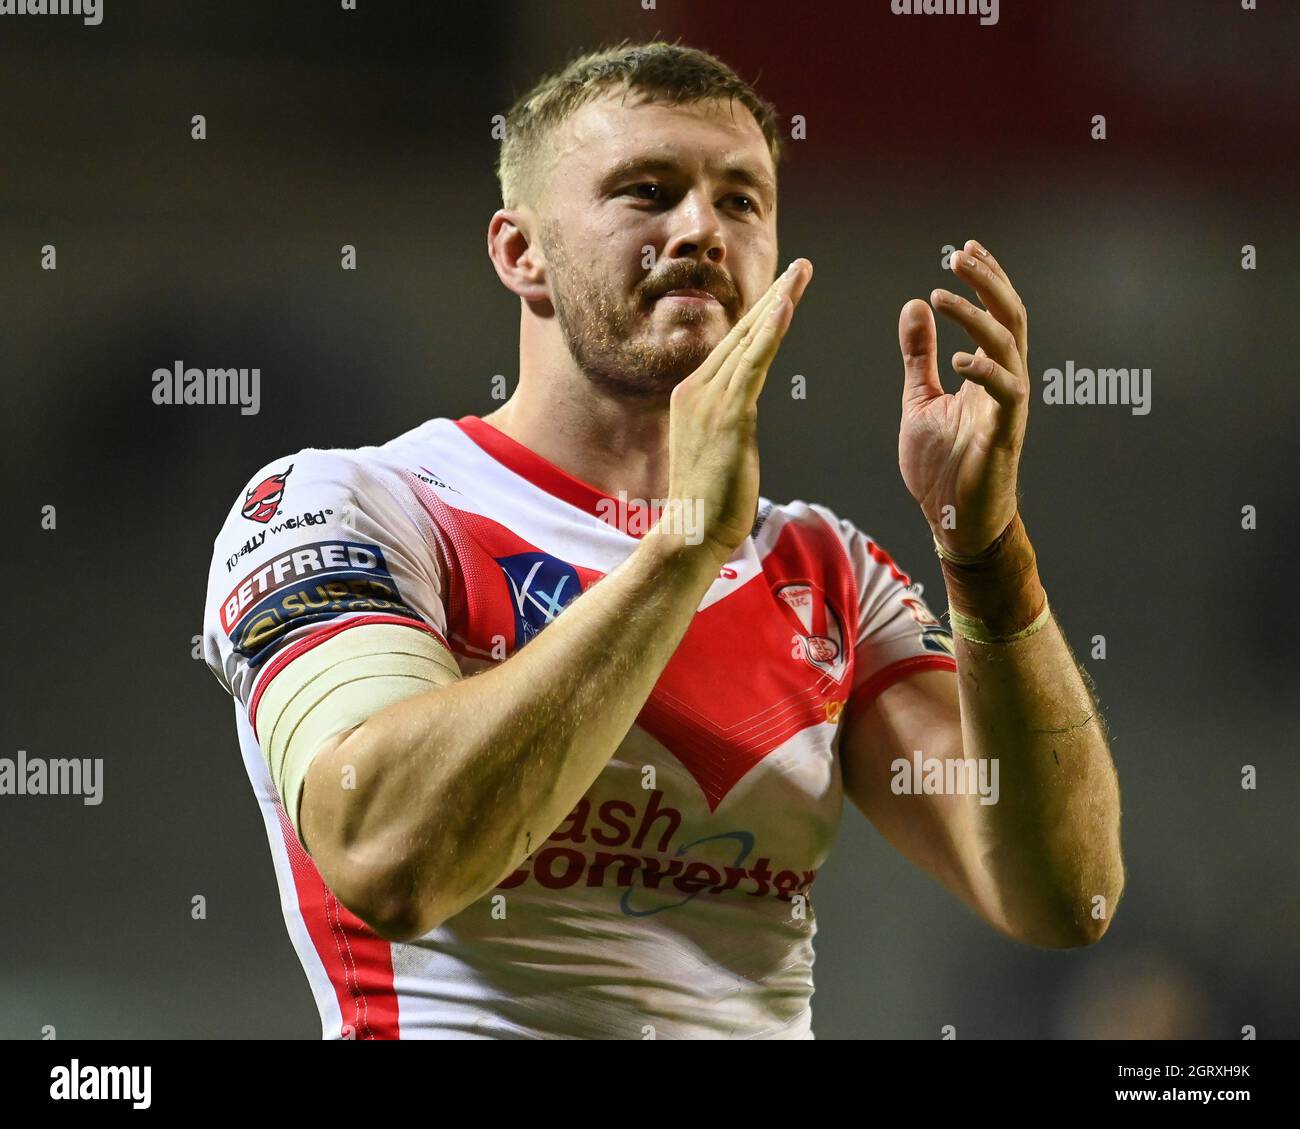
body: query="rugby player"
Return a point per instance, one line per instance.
(551, 715)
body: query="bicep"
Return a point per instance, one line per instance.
(920, 713)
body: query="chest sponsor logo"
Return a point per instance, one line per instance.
(634, 848)
(540, 587)
(819, 628)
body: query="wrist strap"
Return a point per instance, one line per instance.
(977, 558)
(995, 596)
(974, 630)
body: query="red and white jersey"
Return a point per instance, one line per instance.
(675, 899)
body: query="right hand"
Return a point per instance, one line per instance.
(713, 419)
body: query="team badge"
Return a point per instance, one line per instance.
(820, 629)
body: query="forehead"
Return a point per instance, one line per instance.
(713, 134)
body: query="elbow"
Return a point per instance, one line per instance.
(1070, 934)
(1079, 934)
(371, 875)
(1077, 930)
(400, 925)
(393, 888)
(385, 900)
(375, 882)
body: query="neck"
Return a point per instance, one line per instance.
(609, 442)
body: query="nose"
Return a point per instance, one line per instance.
(697, 232)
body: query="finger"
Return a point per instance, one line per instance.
(799, 282)
(724, 353)
(1005, 387)
(985, 330)
(995, 291)
(756, 358)
(791, 285)
(975, 247)
(919, 342)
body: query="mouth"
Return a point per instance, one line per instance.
(690, 297)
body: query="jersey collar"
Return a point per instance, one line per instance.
(632, 517)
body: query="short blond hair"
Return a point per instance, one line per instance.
(666, 72)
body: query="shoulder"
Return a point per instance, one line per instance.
(811, 522)
(280, 481)
(814, 538)
(313, 478)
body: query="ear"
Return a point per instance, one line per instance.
(518, 262)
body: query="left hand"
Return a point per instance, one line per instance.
(963, 449)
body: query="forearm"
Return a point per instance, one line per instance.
(1050, 845)
(456, 786)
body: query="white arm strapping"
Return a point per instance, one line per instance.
(335, 687)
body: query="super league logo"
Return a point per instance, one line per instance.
(262, 500)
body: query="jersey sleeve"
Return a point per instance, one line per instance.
(896, 633)
(314, 544)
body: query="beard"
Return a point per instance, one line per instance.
(610, 340)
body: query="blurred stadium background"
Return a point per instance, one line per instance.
(373, 128)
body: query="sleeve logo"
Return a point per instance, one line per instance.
(262, 500)
(540, 587)
(308, 585)
(934, 635)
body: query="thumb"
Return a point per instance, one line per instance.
(919, 343)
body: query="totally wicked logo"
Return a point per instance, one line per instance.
(262, 500)
(299, 521)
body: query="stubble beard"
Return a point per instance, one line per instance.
(608, 340)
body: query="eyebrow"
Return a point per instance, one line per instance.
(736, 172)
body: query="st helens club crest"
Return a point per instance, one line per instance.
(820, 629)
(262, 500)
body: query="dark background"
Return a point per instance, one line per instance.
(373, 128)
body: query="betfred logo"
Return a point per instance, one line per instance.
(305, 586)
(262, 500)
(317, 559)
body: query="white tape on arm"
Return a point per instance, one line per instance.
(337, 685)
